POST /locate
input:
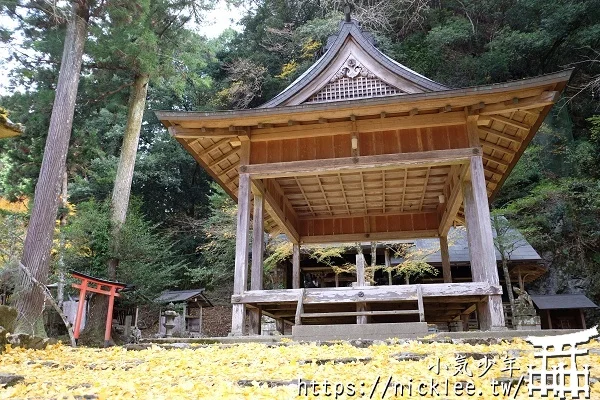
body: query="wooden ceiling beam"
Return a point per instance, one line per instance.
(341, 180)
(424, 188)
(372, 236)
(511, 122)
(189, 133)
(497, 147)
(494, 171)
(213, 146)
(304, 195)
(362, 125)
(232, 166)
(361, 215)
(276, 212)
(539, 101)
(454, 202)
(351, 164)
(495, 159)
(223, 157)
(502, 135)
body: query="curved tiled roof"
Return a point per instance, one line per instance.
(335, 46)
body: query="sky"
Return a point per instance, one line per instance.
(223, 16)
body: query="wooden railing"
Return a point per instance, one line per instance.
(366, 293)
(416, 294)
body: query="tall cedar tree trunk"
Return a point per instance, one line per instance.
(64, 199)
(95, 325)
(504, 251)
(509, 289)
(38, 243)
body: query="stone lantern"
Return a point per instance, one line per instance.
(169, 315)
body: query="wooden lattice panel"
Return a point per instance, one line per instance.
(353, 88)
(373, 192)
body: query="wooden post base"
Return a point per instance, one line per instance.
(279, 325)
(255, 316)
(490, 314)
(238, 319)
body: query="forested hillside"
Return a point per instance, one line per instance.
(178, 228)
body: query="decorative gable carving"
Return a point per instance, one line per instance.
(352, 81)
(352, 69)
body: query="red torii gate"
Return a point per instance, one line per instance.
(100, 286)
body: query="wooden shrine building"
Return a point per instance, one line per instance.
(361, 148)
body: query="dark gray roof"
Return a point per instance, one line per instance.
(180, 296)
(334, 45)
(458, 248)
(562, 301)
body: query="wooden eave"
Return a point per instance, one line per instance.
(507, 115)
(464, 97)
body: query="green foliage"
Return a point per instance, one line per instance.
(413, 264)
(455, 32)
(328, 255)
(560, 219)
(278, 250)
(218, 248)
(146, 256)
(12, 235)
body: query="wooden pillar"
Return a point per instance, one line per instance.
(373, 260)
(80, 308)
(127, 331)
(446, 269)
(360, 281)
(521, 283)
(465, 321)
(296, 266)
(549, 318)
(255, 318)
(109, 315)
(183, 322)
(200, 321)
(240, 279)
(280, 325)
(388, 265)
(360, 269)
(258, 243)
(481, 245)
(258, 240)
(582, 316)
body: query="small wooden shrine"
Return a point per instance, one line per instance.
(361, 148)
(192, 303)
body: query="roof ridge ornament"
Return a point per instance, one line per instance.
(347, 12)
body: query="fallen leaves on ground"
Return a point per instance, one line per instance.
(268, 371)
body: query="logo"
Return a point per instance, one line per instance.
(559, 372)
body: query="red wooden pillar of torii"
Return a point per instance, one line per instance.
(99, 286)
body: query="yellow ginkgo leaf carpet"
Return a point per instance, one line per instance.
(290, 370)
